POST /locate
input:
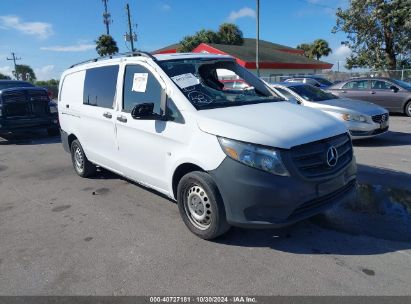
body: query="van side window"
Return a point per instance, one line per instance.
(100, 86)
(146, 92)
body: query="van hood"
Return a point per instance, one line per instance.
(276, 124)
(362, 107)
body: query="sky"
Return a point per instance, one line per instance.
(51, 35)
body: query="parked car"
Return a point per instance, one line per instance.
(363, 119)
(236, 84)
(6, 84)
(27, 108)
(392, 94)
(312, 80)
(243, 158)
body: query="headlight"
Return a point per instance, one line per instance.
(53, 109)
(254, 156)
(354, 117)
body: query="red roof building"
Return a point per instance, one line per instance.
(275, 60)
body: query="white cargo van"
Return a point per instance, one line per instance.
(229, 157)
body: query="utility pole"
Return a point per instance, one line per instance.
(15, 65)
(106, 17)
(130, 36)
(257, 46)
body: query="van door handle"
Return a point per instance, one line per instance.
(372, 92)
(343, 91)
(121, 118)
(107, 115)
(67, 106)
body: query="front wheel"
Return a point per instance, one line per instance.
(201, 206)
(408, 109)
(81, 164)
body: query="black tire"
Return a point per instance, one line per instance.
(407, 109)
(81, 164)
(196, 190)
(53, 131)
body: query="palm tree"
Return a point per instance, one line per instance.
(106, 45)
(320, 48)
(307, 48)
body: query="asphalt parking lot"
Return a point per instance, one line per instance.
(64, 235)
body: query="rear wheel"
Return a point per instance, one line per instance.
(201, 206)
(408, 109)
(81, 164)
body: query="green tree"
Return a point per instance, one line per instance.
(320, 48)
(24, 72)
(307, 48)
(378, 32)
(106, 45)
(2, 76)
(189, 43)
(230, 34)
(316, 49)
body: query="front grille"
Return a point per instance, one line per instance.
(310, 160)
(380, 118)
(17, 96)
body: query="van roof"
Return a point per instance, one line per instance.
(159, 57)
(163, 57)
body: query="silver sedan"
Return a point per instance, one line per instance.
(363, 119)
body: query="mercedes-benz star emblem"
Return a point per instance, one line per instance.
(332, 156)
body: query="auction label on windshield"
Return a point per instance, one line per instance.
(185, 80)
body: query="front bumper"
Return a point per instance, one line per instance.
(365, 130)
(26, 124)
(254, 198)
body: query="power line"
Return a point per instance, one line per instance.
(15, 65)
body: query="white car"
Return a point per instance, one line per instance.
(243, 158)
(363, 119)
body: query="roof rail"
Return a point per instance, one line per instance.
(127, 54)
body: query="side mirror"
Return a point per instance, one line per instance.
(143, 111)
(394, 89)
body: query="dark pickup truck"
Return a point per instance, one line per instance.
(27, 108)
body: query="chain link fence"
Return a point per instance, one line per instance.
(333, 76)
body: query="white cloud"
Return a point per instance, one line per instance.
(69, 48)
(41, 30)
(342, 51)
(45, 73)
(338, 57)
(6, 70)
(244, 12)
(165, 7)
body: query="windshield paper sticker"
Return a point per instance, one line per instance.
(185, 80)
(140, 82)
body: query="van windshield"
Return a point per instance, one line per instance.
(205, 83)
